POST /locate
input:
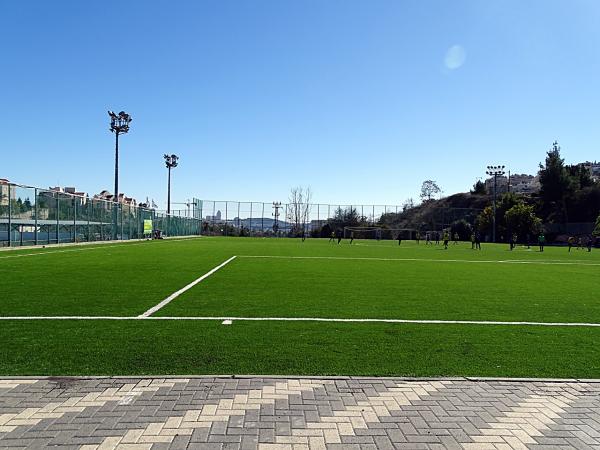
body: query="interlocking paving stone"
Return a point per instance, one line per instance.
(297, 413)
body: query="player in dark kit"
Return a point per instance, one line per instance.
(571, 242)
(541, 241)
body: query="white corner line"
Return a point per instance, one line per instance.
(174, 295)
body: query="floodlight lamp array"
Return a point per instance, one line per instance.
(495, 170)
(119, 123)
(171, 160)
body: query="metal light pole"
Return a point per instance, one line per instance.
(170, 162)
(276, 206)
(119, 123)
(495, 171)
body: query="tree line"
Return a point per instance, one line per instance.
(568, 194)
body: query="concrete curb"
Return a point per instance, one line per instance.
(308, 377)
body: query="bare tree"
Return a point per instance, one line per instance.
(408, 204)
(298, 211)
(429, 189)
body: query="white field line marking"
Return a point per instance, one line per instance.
(483, 261)
(63, 251)
(312, 319)
(70, 317)
(100, 246)
(174, 295)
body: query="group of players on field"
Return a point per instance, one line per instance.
(430, 237)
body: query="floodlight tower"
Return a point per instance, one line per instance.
(170, 162)
(495, 171)
(276, 206)
(119, 124)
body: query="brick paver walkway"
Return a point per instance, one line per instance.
(278, 413)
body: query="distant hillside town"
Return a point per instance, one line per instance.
(83, 197)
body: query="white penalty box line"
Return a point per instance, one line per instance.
(311, 319)
(176, 294)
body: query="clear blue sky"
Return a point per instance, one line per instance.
(361, 100)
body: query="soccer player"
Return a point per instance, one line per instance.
(446, 239)
(579, 243)
(428, 238)
(571, 242)
(351, 237)
(437, 238)
(590, 241)
(417, 237)
(339, 235)
(513, 241)
(477, 240)
(541, 241)
(473, 241)
(399, 238)
(456, 237)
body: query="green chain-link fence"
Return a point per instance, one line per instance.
(34, 216)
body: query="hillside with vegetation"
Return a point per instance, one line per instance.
(568, 203)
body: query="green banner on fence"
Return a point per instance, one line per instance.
(147, 226)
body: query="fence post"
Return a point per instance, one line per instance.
(318, 216)
(201, 214)
(213, 217)
(57, 218)
(250, 232)
(87, 213)
(35, 217)
(74, 220)
(9, 217)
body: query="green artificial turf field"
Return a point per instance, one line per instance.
(129, 318)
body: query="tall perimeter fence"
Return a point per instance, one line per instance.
(32, 216)
(35, 216)
(232, 218)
